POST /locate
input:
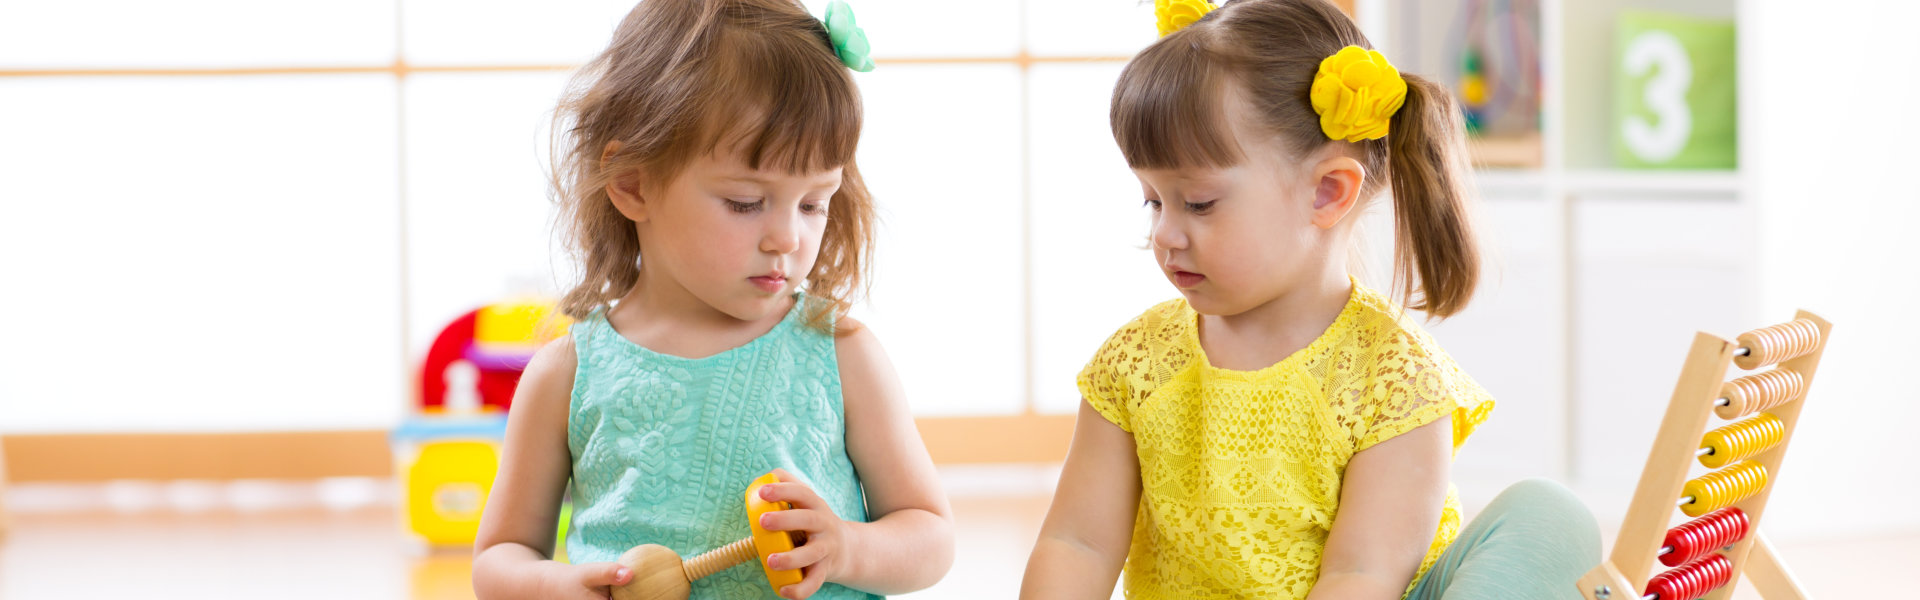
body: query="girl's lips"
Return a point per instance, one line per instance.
(769, 284)
(1185, 279)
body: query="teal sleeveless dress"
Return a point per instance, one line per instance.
(664, 447)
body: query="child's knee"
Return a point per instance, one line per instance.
(1545, 503)
(1538, 491)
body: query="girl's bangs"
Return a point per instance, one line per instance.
(1167, 111)
(782, 117)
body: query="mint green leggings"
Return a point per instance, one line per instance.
(1533, 542)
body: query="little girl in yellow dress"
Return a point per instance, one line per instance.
(1282, 430)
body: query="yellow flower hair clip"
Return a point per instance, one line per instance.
(1171, 15)
(1356, 93)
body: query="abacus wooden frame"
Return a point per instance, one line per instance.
(1626, 571)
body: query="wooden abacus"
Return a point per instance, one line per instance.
(1708, 553)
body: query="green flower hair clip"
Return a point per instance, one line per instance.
(849, 41)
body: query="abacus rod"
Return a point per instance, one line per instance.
(1721, 402)
(1664, 550)
(1743, 351)
(1703, 452)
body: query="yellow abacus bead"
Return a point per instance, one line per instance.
(1742, 440)
(1724, 487)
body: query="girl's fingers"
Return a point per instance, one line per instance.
(794, 520)
(807, 586)
(797, 558)
(605, 574)
(795, 492)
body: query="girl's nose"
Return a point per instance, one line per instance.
(783, 234)
(1167, 234)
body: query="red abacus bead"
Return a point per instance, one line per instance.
(1692, 580)
(1696, 538)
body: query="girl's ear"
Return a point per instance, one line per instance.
(624, 188)
(1337, 183)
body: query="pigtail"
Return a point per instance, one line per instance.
(1434, 245)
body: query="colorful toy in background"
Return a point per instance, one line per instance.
(447, 452)
(1473, 90)
(498, 340)
(445, 465)
(1499, 82)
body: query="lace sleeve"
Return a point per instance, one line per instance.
(1103, 387)
(1103, 382)
(1412, 385)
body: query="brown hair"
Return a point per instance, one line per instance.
(680, 79)
(1168, 110)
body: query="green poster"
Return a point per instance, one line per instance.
(1674, 98)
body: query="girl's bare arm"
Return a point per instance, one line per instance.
(1390, 501)
(1088, 529)
(512, 555)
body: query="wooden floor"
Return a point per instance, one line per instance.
(341, 539)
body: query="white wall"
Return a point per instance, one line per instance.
(1839, 207)
(270, 252)
(170, 263)
(197, 253)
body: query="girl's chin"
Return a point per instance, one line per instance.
(758, 306)
(1207, 305)
(1201, 303)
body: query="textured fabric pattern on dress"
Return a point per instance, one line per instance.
(664, 446)
(1240, 471)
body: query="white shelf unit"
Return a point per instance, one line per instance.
(1600, 274)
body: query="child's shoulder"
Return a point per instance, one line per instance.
(1170, 316)
(1385, 350)
(557, 357)
(1377, 328)
(546, 386)
(1389, 367)
(1134, 361)
(1149, 343)
(1165, 323)
(855, 343)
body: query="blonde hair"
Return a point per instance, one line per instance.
(681, 78)
(1167, 113)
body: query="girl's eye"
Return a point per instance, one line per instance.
(1153, 204)
(813, 208)
(744, 207)
(1200, 207)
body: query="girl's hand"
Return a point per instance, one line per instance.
(822, 554)
(590, 580)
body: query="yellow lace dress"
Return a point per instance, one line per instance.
(1240, 471)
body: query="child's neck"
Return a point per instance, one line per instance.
(661, 315)
(1269, 333)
